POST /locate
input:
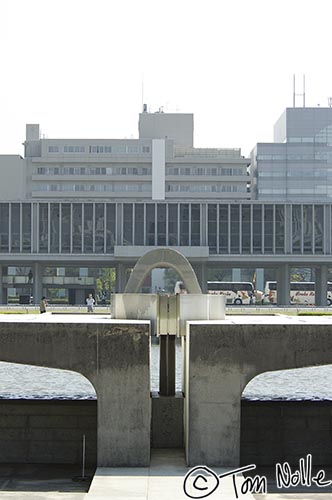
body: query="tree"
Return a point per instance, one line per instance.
(105, 283)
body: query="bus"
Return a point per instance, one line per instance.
(301, 293)
(236, 293)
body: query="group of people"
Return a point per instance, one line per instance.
(90, 304)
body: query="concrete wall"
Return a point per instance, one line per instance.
(278, 431)
(47, 431)
(176, 126)
(113, 355)
(222, 357)
(13, 181)
(35, 431)
(167, 421)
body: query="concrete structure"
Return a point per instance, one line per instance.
(222, 357)
(48, 431)
(113, 355)
(275, 431)
(297, 166)
(51, 431)
(163, 257)
(179, 127)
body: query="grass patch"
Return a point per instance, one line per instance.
(315, 313)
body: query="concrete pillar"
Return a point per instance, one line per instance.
(283, 285)
(321, 286)
(236, 274)
(37, 282)
(212, 414)
(260, 281)
(201, 273)
(121, 278)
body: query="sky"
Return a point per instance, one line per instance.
(83, 68)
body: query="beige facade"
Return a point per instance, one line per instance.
(129, 169)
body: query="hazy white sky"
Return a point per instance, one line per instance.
(77, 66)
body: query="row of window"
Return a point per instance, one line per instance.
(296, 172)
(227, 228)
(141, 187)
(319, 155)
(205, 188)
(101, 188)
(321, 138)
(93, 170)
(206, 171)
(96, 149)
(323, 190)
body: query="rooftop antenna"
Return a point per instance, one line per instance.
(296, 95)
(142, 103)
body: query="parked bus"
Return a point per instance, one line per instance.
(237, 293)
(301, 293)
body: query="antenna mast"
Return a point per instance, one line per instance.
(297, 95)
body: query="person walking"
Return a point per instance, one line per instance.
(90, 303)
(43, 305)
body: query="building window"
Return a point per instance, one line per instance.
(128, 224)
(184, 224)
(296, 228)
(235, 229)
(43, 227)
(172, 225)
(74, 149)
(223, 228)
(161, 224)
(195, 225)
(212, 228)
(4, 227)
(53, 149)
(139, 224)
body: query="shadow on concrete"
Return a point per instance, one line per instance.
(44, 478)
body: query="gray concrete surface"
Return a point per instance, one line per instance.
(163, 257)
(113, 354)
(167, 421)
(162, 480)
(43, 482)
(222, 357)
(42, 431)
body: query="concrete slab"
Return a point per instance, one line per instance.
(163, 480)
(67, 318)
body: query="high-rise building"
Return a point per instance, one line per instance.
(297, 166)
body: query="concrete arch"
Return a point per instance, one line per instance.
(163, 257)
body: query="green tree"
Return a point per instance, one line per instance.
(105, 283)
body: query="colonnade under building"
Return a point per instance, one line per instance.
(34, 281)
